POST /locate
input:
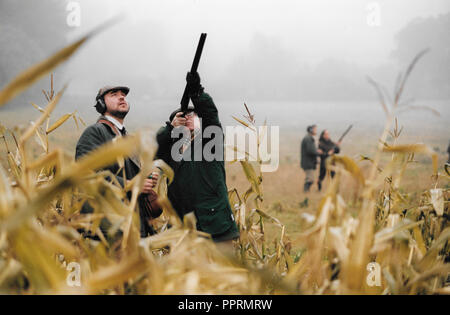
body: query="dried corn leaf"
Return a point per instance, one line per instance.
(39, 70)
(437, 200)
(38, 107)
(415, 148)
(59, 122)
(116, 274)
(50, 107)
(243, 123)
(251, 176)
(349, 165)
(269, 217)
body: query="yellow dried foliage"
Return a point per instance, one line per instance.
(42, 250)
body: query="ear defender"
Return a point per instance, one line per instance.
(100, 106)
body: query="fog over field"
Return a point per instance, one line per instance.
(292, 62)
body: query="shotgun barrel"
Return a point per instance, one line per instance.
(345, 133)
(185, 99)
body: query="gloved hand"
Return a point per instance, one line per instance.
(193, 83)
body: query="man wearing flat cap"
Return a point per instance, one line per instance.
(113, 107)
(199, 184)
(308, 156)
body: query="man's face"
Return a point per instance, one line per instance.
(116, 104)
(314, 130)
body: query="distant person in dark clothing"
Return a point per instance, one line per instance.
(447, 165)
(328, 148)
(448, 151)
(309, 154)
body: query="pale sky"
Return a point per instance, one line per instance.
(157, 38)
(313, 30)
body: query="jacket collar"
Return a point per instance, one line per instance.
(114, 121)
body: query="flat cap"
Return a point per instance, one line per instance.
(109, 88)
(188, 110)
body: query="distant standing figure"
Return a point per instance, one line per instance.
(448, 151)
(447, 165)
(328, 148)
(309, 154)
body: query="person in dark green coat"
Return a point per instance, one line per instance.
(309, 154)
(113, 107)
(199, 183)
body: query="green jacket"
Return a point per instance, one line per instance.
(95, 136)
(308, 153)
(199, 186)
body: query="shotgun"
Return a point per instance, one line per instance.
(185, 99)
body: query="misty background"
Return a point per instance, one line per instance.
(292, 62)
